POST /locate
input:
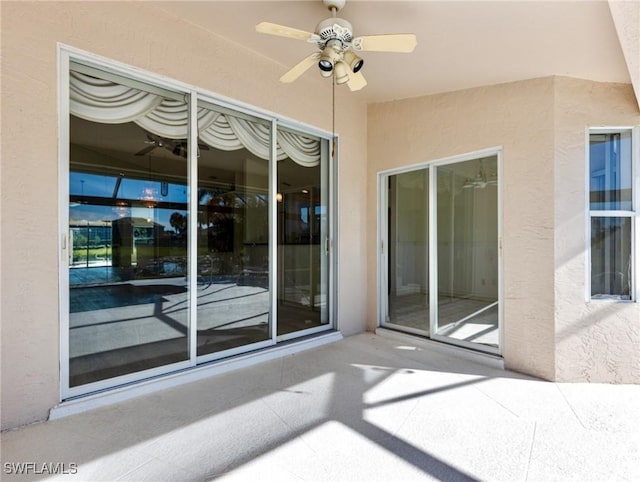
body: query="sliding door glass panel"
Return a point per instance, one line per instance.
(408, 253)
(127, 232)
(233, 231)
(302, 232)
(467, 244)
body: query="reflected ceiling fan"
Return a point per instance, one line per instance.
(153, 143)
(176, 147)
(337, 47)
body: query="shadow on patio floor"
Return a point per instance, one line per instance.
(364, 408)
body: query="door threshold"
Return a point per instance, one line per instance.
(487, 359)
(87, 402)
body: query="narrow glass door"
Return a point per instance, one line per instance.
(303, 235)
(233, 232)
(467, 246)
(408, 254)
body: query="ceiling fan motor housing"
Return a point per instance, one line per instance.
(334, 29)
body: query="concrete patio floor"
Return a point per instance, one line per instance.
(367, 408)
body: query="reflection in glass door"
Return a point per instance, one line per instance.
(191, 232)
(233, 238)
(128, 241)
(303, 239)
(467, 237)
(440, 272)
(408, 260)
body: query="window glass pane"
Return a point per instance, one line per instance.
(611, 258)
(233, 232)
(610, 171)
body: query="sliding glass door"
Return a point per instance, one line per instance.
(233, 238)
(407, 291)
(303, 242)
(440, 270)
(467, 259)
(192, 231)
(128, 242)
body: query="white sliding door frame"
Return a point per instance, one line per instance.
(384, 243)
(68, 55)
(326, 243)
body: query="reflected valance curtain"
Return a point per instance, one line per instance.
(107, 102)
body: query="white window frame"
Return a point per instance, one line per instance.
(118, 388)
(633, 214)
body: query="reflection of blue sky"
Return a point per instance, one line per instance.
(610, 170)
(152, 190)
(95, 185)
(82, 184)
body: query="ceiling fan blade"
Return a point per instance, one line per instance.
(300, 68)
(356, 81)
(185, 145)
(282, 31)
(144, 151)
(399, 42)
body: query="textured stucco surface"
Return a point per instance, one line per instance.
(145, 36)
(549, 329)
(519, 117)
(596, 341)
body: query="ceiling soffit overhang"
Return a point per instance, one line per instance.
(626, 19)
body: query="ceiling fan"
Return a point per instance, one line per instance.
(176, 147)
(337, 47)
(153, 142)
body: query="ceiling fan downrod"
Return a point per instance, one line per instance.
(334, 5)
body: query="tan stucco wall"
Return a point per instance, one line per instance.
(519, 117)
(549, 329)
(142, 35)
(597, 341)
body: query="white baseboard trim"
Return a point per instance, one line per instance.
(120, 394)
(487, 359)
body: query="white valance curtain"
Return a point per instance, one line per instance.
(107, 102)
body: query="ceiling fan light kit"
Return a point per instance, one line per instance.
(354, 62)
(341, 73)
(330, 55)
(336, 44)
